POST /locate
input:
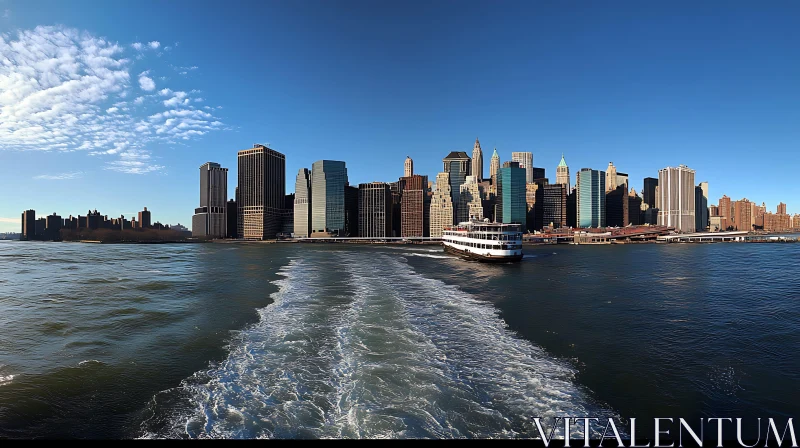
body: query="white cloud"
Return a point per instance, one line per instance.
(62, 176)
(154, 44)
(137, 46)
(146, 83)
(55, 84)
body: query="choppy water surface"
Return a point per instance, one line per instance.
(289, 340)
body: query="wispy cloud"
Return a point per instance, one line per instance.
(62, 176)
(61, 90)
(13, 220)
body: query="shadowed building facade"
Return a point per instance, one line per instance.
(262, 192)
(459, 165)
(701, 207)
(374, 210)
(554, 205)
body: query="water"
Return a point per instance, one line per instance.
(289, 340)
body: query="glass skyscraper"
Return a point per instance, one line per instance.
(511, 194)
(328, 179)
(591, 200)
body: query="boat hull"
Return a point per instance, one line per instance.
(482, 258)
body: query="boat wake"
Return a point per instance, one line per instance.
(371, 350)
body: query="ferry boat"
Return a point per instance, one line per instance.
(484, 241)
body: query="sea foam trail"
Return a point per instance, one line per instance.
(350, 349)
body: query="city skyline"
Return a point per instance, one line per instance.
(374, 110)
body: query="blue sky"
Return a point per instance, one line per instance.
(115, 105)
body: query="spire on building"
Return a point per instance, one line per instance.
(562, 162)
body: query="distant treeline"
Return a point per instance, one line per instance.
(124, 236)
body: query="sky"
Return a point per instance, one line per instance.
(115, 105)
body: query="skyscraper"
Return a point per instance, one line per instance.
(232, 216)
(350, 210)
(781, 208)
(562, 173)
(611, 177)
(676, 198)
(649, 191)
(701, 207)
(414, 207)
(328, 179)
(635, 214)
(302, 203)
(408, 167)
(459, 165)
(511, 194)
(477, 161)
(374, 210)
(441, 205)
(262, 192)
(470, 201)
(622, 179)
(590, 201)
(494, 168)
(617, 207)
(209, 219)
(525, 160)
(554, 205)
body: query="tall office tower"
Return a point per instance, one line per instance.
(622, 179)
(554, 205)
(374, 210)
(470, 203)
(232, 215)
(459, 165)
(413, 203)
(328, 179)
(494, 168)
(262, 192)
(525, 160)
(572, 208)
(649, 191)
(611, 177)
(302, 203)
(701, 207)
(144, 221)
(658, 198)
(397, 206)
(725, 212)
(781, 208)
(511, 194)
(617, 207)
(210, 218)
(350, 210)
(533, 205)
(441, 205)
(539, 174)
(590, 203)
(562, 173)
(634, 209)
(287, 219)
(28, 225)
(676, 197)
(408, 167)
(743, 211)
(477, 161)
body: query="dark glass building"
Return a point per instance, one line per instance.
(554, 205)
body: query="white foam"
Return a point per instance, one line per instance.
(6, 379)
(375, 350)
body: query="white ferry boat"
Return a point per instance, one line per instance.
(484, 241)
